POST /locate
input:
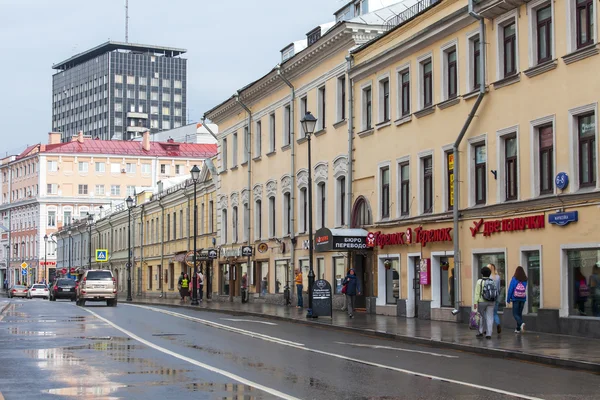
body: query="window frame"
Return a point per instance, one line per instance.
(549, 150)
(512, 182)
(501, 23)
(384, 192)
(592, 148)
(321, 108)
(480, 166)
(272, 217)
(427, 78)
(589, 8)
(272, 133)
(367, 107)
(234, 149)
(322, 204)
(287, 125)
(303, 209)
(83, 186)
(403, 107)
(287, 214)
(509, 42)
(404, 187)
(258, 139)
(384, 111)
(341, 98)
(258, 219)
(427, 181)
(545, 24)
(449, 70)
(502, 182)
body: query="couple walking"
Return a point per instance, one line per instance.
(184, 284)
(488, 295)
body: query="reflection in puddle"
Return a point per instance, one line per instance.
(18, 331)
(90, 392)
(240, 391)
(52, 357)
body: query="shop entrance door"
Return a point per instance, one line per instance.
(416, 283)
(360, 263)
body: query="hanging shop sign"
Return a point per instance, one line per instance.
(247, 251)
(418, 235)
(561, 181)
(213, 254)
(340, 239)
(563, 218)
(425, 271)
(263, 247)
(508, 225)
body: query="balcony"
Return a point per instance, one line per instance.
(137, 115)
(494, 8)
(410, 13)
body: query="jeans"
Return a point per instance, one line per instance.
(299, 294)
(496, 316)
(200, 291)
(518, 312)
(350, 300)
(486, 309)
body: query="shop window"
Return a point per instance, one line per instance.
(584, 282)
(171, 276)
(281, 270)
(305, 268)
(447, 281)
(150, 277)
(532, 262)
(224, 271)
(499, 260)
(392, 280)
(339, 273)
(263, 273)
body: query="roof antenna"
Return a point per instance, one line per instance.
(126, 21)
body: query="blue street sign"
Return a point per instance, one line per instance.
(23, 272)
(561, 180)
(563, 218)
(101, 255)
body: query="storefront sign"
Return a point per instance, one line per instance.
(451, 178)
(231, 252)
(48, 263)
(322, 302)
(425, 271)
(419, 235)
(263, 247)
(212, 254)
(247, 251)
(563, 218)
(306, 245)
(508, 225)
(340, 239)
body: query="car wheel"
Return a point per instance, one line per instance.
(82, 303)
(72, 298)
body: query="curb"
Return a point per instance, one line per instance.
(496, 353)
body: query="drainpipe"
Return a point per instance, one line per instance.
(293, 178)
(162, 245)
(456, 153)
(110, 248)
(249, 152)
(139, 284)
(208, 129)
(349, 59)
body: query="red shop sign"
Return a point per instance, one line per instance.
(419, 235)
(508, 225)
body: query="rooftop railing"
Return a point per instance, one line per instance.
(409, 13)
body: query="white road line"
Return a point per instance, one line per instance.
(374, 346)
(221, 326)
(248, 320)
(237, 378)
(351, 359)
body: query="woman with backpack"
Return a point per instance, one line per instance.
(517, 294)
(486, 293)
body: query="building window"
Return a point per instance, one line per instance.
(168, 228)
(223, 155)
(385, 192)
(246, 148)
(392, 281)
(234, 224)
(404, 93)
(480, 173)
(211, 220)
(427, 87)
(585, 22)
(131, 190)
(83, 189)
(322, 110)
(177, 169)
(476, 63)
(544, 34)
(367, 109)
(287, 126)
(246, 218)
(586, 127)
(303, 109)
(510, 167)
(451, 74)
(272, 133)
(303, 210)
(322, 205)
(384, 100)
(115, 190)
(100, 190)
(130, 168)
(83, 167)
(532, 269)
(427, 165)
(258, 220)
(546, 159)
(404, 188)
(51, 218)
(258, 139)
(175, 225)
(583, 281)
(510, 48)
(341, 98)
(450, 178)
(100, 167)
(52, 188)
(341, 200)
(272, 227)
(287, 221)
(224, 226)
(234, 151)
(67, 217)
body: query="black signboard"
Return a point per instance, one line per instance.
(322, 302)
(246, 251)
(340, 240)
(212, 254)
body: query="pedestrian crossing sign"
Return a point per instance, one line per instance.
(101, 255)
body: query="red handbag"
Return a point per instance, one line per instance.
(344, 288)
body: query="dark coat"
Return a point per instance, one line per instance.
(353, 285)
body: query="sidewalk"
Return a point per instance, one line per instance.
(556, 350)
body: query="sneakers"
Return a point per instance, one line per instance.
(523, 327)
(499, 329)
(488, 337)
(517, 331)
(479, 335)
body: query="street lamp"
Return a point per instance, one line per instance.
(70, 251)
(308, 125)
(45, 255)
(90, 219)
(195, 171)
(23, 260)
(129, 202)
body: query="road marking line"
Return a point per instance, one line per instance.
(374, 346)
(247, 320)
(356, 360)
(221, 326)
(237, 378)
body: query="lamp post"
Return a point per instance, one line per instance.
(23, 260)
(308, 125)
(45, 255)
(195, 171)
(90, 219)
(129, 202)
(70, 251)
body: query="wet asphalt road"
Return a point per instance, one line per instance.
(55, 350)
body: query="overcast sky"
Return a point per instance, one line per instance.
(229, 43)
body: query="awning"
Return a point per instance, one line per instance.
(340, 240)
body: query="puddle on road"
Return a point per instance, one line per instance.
(21, 332)
(50, 358)
(92, 392)
(228, 389)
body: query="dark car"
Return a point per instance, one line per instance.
(63, 288)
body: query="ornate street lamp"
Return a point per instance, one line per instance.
(90, 220)
(45, 255)
(129, 202)
(308, 125)
(70, 251)
(195, 171)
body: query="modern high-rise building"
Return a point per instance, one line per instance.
(116, 91)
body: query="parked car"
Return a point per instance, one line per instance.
(17, 291)
(63, 288)
(38, 290)
(97, 285)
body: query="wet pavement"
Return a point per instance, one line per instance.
(56, 350)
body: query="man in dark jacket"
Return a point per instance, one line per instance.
(352, 290)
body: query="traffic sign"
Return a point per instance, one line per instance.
(23, 272)
(24, 265)
(101, 255)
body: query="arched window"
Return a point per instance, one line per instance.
(361, 213)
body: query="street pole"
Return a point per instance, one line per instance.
(195, 175)
(45, 255)
(90, 219)
(129, 202)
(22, 261)
(70, 252)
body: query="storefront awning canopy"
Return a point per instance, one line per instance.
(340, 240)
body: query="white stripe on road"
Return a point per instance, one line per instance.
(374, 346)
(248, 320)
(237, 378)
(221, 326)
(351, 359)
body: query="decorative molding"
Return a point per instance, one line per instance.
(258, 192)
(271, 188)
(286, 184)
(321, 132)
(302, 178)
(425, 111)
(245, 196)
(366, 133)
(321, 172)
(340, 123)
(507, 81)
(403, 120)
(234, 199)
(541, 68)
(581, 54)
(449, 103)
(222, 202)
(340, 166)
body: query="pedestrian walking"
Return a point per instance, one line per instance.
(582, 290)
(185, 287)
(299, 287)
(486, 294)
(245, 287)
(498, 281)
(352, 290)
(595, 290)
(200, 285)
(517, 294)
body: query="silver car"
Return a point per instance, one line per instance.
(97, 285)
(17, 291)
